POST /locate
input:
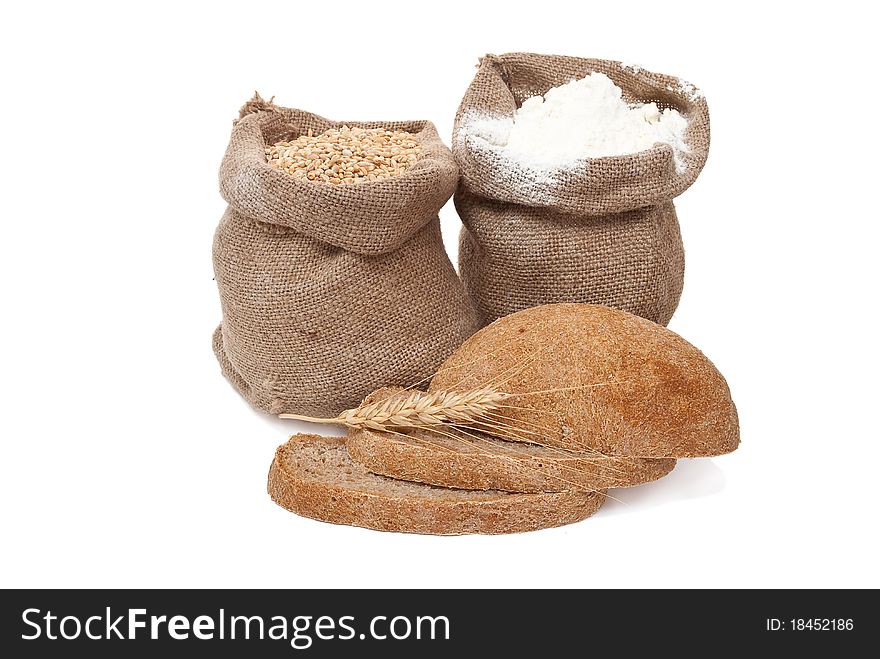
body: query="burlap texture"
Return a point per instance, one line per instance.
(602, 233)
(329, 292)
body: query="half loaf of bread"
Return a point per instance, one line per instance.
(597, 378)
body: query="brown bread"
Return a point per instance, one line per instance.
(595, 378)
(314, 476)
(475, 461)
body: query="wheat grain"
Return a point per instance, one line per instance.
(344, 156)
(417, 409)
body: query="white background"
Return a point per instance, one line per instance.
(127, 460)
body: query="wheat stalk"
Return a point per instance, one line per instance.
(417, 409)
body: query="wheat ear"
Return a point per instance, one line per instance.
(417, 409)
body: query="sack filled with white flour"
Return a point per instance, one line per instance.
(568, 171)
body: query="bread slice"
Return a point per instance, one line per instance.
(599, 378)
(314, 476)
(474, 461)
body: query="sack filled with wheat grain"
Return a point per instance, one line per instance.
(601, 230)
(331, 270)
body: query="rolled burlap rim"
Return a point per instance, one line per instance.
(369, 218)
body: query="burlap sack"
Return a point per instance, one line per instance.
(604, 233)
(329, 292)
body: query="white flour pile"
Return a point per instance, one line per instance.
(582, 119)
